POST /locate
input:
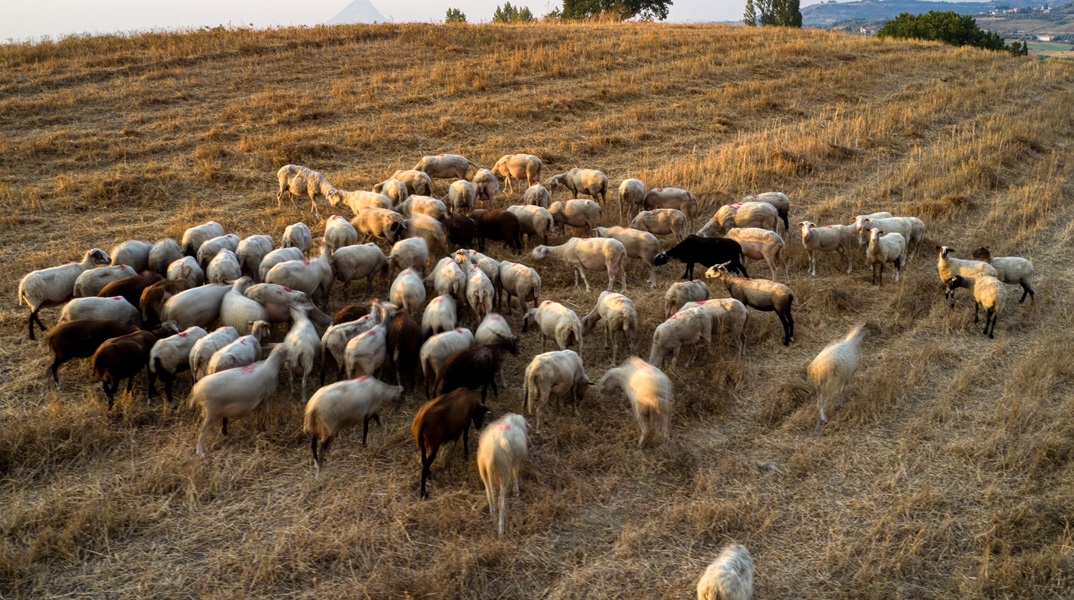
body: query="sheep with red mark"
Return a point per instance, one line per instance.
(296, 180)
(641, 245)
(187, 269)
(620, 318)
(52, 287)
(443, 419)
(631, 196)
(203, 349)
(212, 247)
(553, 374)
(741, 214)
(113, 307)
(440, 315)
(537, 195)
(555, 321)
(423, 205)
(416, 182)
(334, 343)
(534, 221)
(490, 266)
(133, 253)
(648, 390)
(761, 244)
(661, 221)
(224, 267)
(729, 317)
(312, 277)
(671, 197)
(379, 223)
(480, 292)
(197, 306)
(171, 356)
(521, 282)
(365, 353)
(486, 185)
(303, 346)
(359, 261)
(445, 166)
(519, 166)
(275, 257)
(830, 238)
(687, 327)
(125, 356)
(338, 232)
(437, 349)
(360, 200)
(583, 214)
(591, 253)
(152, 300)
(92, 281)
(344, 404)
(408, 291)
(460, 196)
(194, 237)
(500, 452)
(681, 292)
(777, 199)
(246, 350)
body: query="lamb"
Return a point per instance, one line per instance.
(152, 300)
(760, 244)
(211, 248)
(684, 328)
(197, 306)
(243, 351)
(236, 392)
(131, 288)
(396, 190)
(584, 214)
(297, 235)
(443, 419)
(194, 237)
(360, 200)
(648, 390)
(344, 404)
(988, 292)
(134, 253)
(422, 205)
(581, 181)
(825, 239)
(162, 254)
(537, 195)
(761, 294)
(355, 262)
(297, 181)
(441, 315)
(883, 248)
(729, 577)
(777, 199)
(445, 166)
(430, 230)
(555, 321)
(557, 373)
(379, 223)
(404, 346)
(476, 367)
(497, 225)
(480, 293)
(620, 316)
(901, 225)
(676, 198)
(521, 282)
(187, 269)
(171, 356)
(1010, 269)
(416, 182)
(114, 307)
(500, 452)
(641, 245)
(311, 277)
(80, 339)
(276, 257)
(535, 221)
(681, 292)
(486, 186)
(202, 351)
(461, 196)
(224, 267)
(832, 369)
(125, 356)
(303, 346)
(251, 252)
(338, 232)
(408, 292)
(518, 166)
(631, 194)
(661, 221)
(729, 316)
(592, 253)
(741, 214)
(437, 349)
(705, 251)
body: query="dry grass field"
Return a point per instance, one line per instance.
(949, 472)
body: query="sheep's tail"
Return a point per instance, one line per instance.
(313, 424)
(527, 395)
(22, 294)
(155, 365)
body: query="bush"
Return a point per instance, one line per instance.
(454, 15)
(945, 26)
(512, 14)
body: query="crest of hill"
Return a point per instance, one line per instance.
(359, 11)
(827, 14)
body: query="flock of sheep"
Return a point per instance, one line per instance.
(152, 306)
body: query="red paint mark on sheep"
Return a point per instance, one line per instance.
(505, 426)
(182, 334)
(361, 378)
(288, 290)
(243, 341)
(248, 369)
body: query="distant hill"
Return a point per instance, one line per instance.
(829, 13)
(359, 11)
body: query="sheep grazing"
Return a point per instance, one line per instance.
(620, 316)
(910, 228)
(729, 316)
(241, 312)
(344, 404)
(202, 351)
(490, 266)
(729, 577)
(303, 346)
(648, 390)
(366, 352)
(351, 312)
(359, 261)
(1010, 269)
(557, 373)
(278, 300)
(461, 230)
(948, 267)
(519, 166)
(536, 222)
(437, 349)
(676, 198)
(761, 244)
(741, 214)
(408, 291)
(681, 292)
(445, 166)
(443, 419)
(448, 278)
(194, 237)
(113, 307)
(520, 282)
(338, 232)
(423, 205)
(416, 182)
(224, 267)
(500, 452)
(134, 253)
(404, 347)
(311, 277)
(832, 369)
(92, 281)
(131, 288)
(251, 251)
(684, 328)
(777, 199)
(246, 350)
(486, 185)
(590, 182)
(236, 392)
(476, 367)
(631, 196)
(396, 190)
(440, 315)
(334, 343)
(661, 221)
(80, 339)
(988, 292)
(297, 235)
(197, 306)
(430, 230)
(537, 195)
(592, 253)
(152, 300)
(212, 247)
(171, 356)
(298, 181)
(162, 254)
(492, 327)
(379, 223)
(584, 214)
(360, 200)
(497, 225)
(276, 257)
(760, 294)
(706, 252)
(883, 248)
(125, 356)
(641, 245)
(481, 294)
(825, 239)
(461, 196)
(555, 321)
(187, 269)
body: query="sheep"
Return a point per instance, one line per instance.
(202, 351)
(729, 316)
(620, 316)
(556, 373)
(345, 404)
(825, 239)
(584, 214)
(901, 225)
(535, 221)
(278, 299)
(592, 253)
(251, 252)
(988, 292)
(705, 251)
(684, 328)
(416, 182)
(661, 221)
(338, 232)
(276, 257)
(486, 186)
(407, 291)
(498, 225)
(778, 200)
(297, 235)
(297, 181)
(131, 288)
(437, 349)
(187, 269)
(194, 237)
(729, 577)
(360, 200)
(80, 339)
(759, 244)
(741, 214)
(760, 294)
(211, 248)
(461, 230)
(490, 266)
(124, 357)
(676, 198)
(448, 278)
(518, 166)
(162, 254)
(404, 345)
(197, 306)
(334, 343)
(171, 356)
(355, 262)
(351, 312)
(445, 166)
(460, 197)
(886, 247)
(395, 190)
(641, 245)
(500, 452)
(366, 352)
(380, 223)
(113, 307)
(555, 321)
(303, 346)
(423, 205)
(443, 419)
(1010, 269)
(134, 253)
(480, 292)
(236, 392)
(476, 367)
(521, 282)
(681, 292)
(91, 281)
(833, 367)
(491, 328)
(537, 195)
(312, 277)
(631, 194)
(152, 300)
(429, 229)
(591, 182)
(243, 351)
(224, 267)
(648, 390)
(441, 315)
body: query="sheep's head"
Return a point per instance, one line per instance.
(806, 225)
(540, 252)
(718, 271)
(528, 318)
(945, 251)
(983, 253)
(98, 256)
(661, 258)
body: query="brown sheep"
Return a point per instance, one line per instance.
(80, 339)
(125, 356)
(443, 419)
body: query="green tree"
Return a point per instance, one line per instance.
(454, 15)
(944, 26)
(648, 10)
(750, 16)
(512, 14)
(782, 13)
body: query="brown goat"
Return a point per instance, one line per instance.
(476, 367)
(154, 297)
(443, 419)
(404, 346)
(80, 339)
(130, 288)
(125, 356)
(498, 225)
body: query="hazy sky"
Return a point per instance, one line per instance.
(25, 19)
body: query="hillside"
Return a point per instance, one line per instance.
(827, 14)
(948, 472)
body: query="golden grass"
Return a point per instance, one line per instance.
(945, 474)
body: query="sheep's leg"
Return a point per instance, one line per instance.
(644, 424)
(201, 435)
(514, 474)
(313, 447)
(55, 371)
(426, 463)
(1027, 291)
(168, 390)
(976, 309)
(822, 420)
(324, 450)
(503, 505)
(223, 426)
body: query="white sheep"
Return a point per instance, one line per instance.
(591, 182)
(338, 232)
(204, 348)
(461, 196)
(662, 221)
(437, 349)
(671, 197)
(379, 223)
(360, 200)
(396, 190)
(445, 166)
(408, 291)
(212, 247)
(631, 196)
(335, 339)
(1010, 269)
(194, 237)
(777, 199)
(948, 266)
(309, 276)
(500, 452)
(162, 254)
(519, 166)
(134, 253)
(171, 356)
(555, 321)
(298, 181)
(832, 369)
(486, 186)
(278, 300)
(480, 292)
(224, 267)
(358, 261)
(648, 390)
(422, 205)
(903, 226)
(686, 327)
(761, 244)
(251, 251)
(521, 282)
(344, 404)
(187, 268)
(366, 352)
(620, 317)
(557, 373)
(863, 238)
(492, 328)
(537, 195)
(741, 214)
(416, 182)
(729, 577)
(729, 317)
(761, 294)
(489, 265)
(303, 346)
(584, 214)
(114, 307)
(448, 278)
(297, 235)
(641, 245)
(276, 257)
(243, 351)
(681, 292)
(886, 247)
(988, 293)
(440, 315)
(197, 306)
(238, 311)
(591, 253)
(830, 238)
(430, 230)
(536, 222)
(91, 281)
